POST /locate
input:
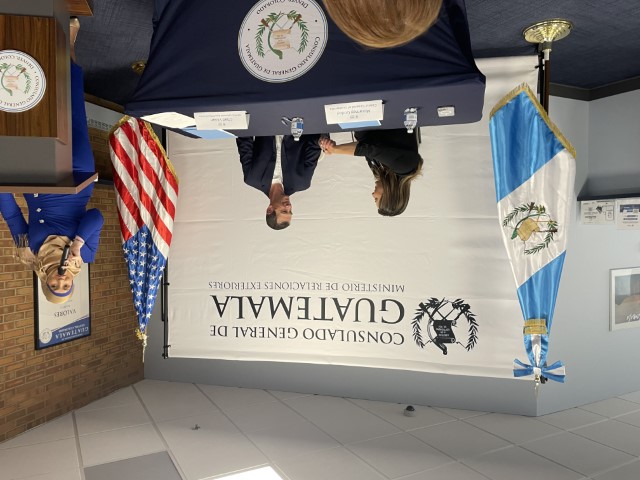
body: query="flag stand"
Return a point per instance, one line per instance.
(164, 292)
(164, 304)
(544, 34)
(544, 73)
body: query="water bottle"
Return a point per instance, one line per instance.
(297, 126)
(410, 119)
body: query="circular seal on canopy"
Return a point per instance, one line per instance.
(22, 81)
(281, 40)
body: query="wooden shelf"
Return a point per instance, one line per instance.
(613, 196)
(70, 185)
(80, 8)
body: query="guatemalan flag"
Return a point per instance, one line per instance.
(146, 193)
(534, 168)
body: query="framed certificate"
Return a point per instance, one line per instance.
(56, 324)
(625, 298)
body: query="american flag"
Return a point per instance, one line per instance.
(146, 194)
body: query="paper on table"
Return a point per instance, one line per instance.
(354, 112)
(235, 120)
(170, 119)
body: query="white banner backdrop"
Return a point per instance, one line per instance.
(344, 285)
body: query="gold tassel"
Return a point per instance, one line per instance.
(526, 89)
(142, 336)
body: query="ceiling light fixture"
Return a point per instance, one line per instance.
(546, 32)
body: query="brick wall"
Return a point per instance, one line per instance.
(37, 386)
(99, 139)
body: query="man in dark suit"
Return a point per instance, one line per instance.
(279, 167)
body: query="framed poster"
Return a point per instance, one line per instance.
(625, 298)
(56, 324)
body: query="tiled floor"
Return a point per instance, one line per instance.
(209, 432)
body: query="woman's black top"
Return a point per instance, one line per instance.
(395, 149)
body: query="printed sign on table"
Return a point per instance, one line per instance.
(354, 112)
(238, 120)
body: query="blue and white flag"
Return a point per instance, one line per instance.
(534, 169)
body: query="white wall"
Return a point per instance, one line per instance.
(572, 118)
(600, 364)
(614, 144)
(100, 117)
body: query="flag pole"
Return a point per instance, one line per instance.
(544, 34)
(164, 292)
(541, 78)
(547, 76)
(165, 312)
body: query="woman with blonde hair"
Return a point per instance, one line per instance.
(383, 23)
(56, 221)
(394, 160)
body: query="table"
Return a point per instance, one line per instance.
(194, 65)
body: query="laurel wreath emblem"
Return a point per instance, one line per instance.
(20, 70)
(433, 306)
(528, 219)
(270, 22)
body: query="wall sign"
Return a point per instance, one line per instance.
(597, 212)
(628, 214)
(55, 324)
(281, 40)
(22, 81)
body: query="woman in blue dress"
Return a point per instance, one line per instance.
(59, 220)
